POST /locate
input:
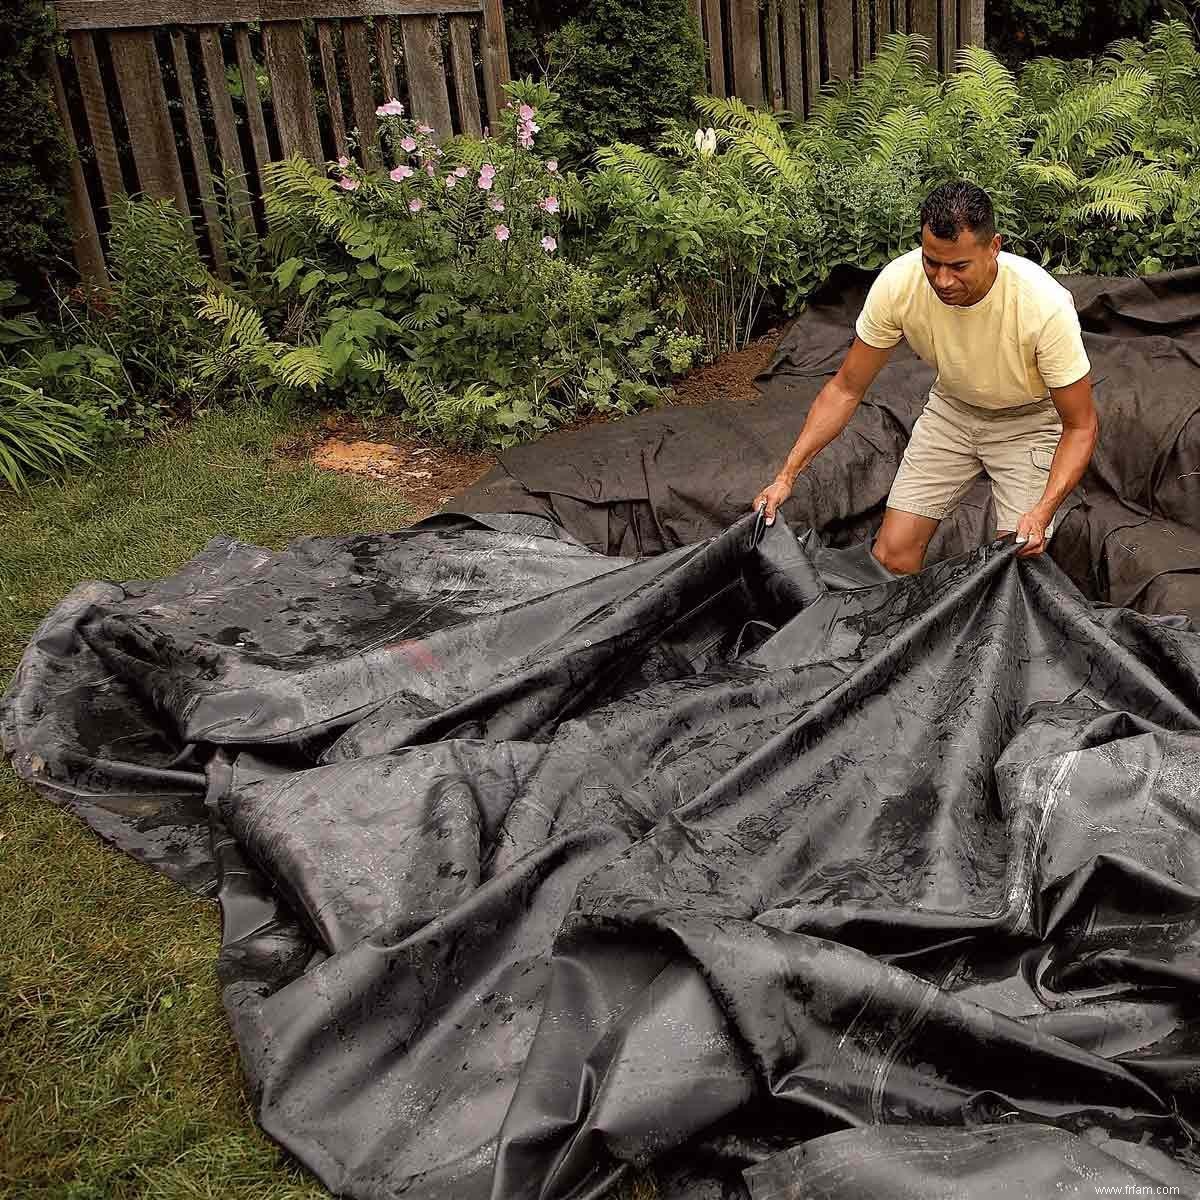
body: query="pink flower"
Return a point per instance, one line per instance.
(430, 170)
(526, 140)
(451, 181)
(415, 206)
(496, 204)
(488, 170)
(501, 232)
(552, 165)
(550, 204)
(461, 171)
(400, 173)
(424, 128)
(343, 161)
(409, 144)
(393, 108)
(347, 183)
(549, 244)
(485, 183)
(525, 112)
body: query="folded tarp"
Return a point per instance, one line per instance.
(742, 861)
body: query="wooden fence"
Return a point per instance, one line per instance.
(164, 96)
(777, 53)
(167, 96)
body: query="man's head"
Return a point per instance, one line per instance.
(959, 243)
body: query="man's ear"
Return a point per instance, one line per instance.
(995, 247)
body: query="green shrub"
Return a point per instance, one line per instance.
(33, 156)
(441, 290)
(621, 68)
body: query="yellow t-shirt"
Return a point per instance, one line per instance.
(1003, 351)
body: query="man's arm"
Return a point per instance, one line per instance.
(1080, 427)
(830, 413)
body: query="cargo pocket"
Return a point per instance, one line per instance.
(1042, 459)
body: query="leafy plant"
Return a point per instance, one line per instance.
(38, 433)
(33, 155)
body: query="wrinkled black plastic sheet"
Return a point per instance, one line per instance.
(743, 860)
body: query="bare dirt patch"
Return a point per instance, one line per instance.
(430, 474)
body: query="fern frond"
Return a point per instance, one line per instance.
(303, 367)
(1110, 108)
(653, 171)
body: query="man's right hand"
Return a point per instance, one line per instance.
(771, 497)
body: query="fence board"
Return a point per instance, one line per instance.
(85, 237)
(95, 107)
(971, 22)
(291, 90)
(900, 16)
(774, 91)
(862, 33)
(947, 33)
(462, 65)
(716, 47)
(493, 42)
(362, 94)
(254, 111)
(881, 19)
(813, 76)
(125, 14)
(793, 56)
(925, 22)
(426, 73)
(333, 90)
(385, 56)
(839, 39)
(228, 144)
(151, 136)
(196, 143)
(746, 51)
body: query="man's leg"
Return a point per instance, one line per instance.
(1016, 449)
(902, 541)
(938, 467)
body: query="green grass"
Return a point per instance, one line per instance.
(118, 1074)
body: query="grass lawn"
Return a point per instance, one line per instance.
(118, 1074)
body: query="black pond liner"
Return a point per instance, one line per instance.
(592, 825)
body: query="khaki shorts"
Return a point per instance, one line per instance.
(953, 442)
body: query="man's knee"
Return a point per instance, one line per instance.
(902, 541)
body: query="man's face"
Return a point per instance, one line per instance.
(960, 269)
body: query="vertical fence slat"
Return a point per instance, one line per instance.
(774, 94)
(85, 237)
(813, 77)
(291, 89)
(747, 50)
(95, 107)
(900, 16)
(462, 64)
(333, 89)
(947, 33)
(839, 39)
(362, 94)
(213, 58)
(971, 22)
(925, 22)
(862, 33)
(254, 111)
(426, 73)
(195, 134)
(793, 56)
(151, 135)
(716, 47)
(493, 42)
(880, 23)
(385, 56)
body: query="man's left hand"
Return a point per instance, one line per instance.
(1031, 534)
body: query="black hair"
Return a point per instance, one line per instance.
(953, 207)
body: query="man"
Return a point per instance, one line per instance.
(1012, 395)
